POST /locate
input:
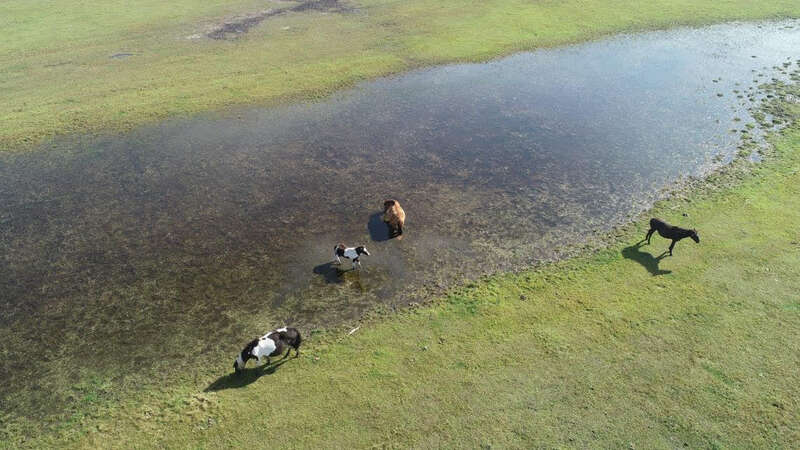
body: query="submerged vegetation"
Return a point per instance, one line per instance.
(78, 67)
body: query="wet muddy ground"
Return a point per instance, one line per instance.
(131, 257)
(237, 26)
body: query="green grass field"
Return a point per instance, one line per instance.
(57, 77)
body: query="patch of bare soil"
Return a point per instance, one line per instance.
(240, 25)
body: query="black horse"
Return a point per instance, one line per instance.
(670, 232)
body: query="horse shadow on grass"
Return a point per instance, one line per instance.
(243, 378)
(331, 271)
(647, 260)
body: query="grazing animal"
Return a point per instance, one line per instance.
(351, 253)
(271, 344)
(394, 216)
(670, 232)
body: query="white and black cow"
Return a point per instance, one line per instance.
(271, 344)
(351, 253)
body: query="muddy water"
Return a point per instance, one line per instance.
(117, 254)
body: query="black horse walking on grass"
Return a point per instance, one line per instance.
(670, 232)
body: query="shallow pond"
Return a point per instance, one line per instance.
(119, 253)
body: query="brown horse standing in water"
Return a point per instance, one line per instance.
(394, 216)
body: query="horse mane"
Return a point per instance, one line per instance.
(247, 353)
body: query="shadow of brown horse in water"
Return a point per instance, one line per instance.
(647, 260)
(378, 229)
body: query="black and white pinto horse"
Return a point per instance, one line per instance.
(351, 253)
(670, 232)
(271, 344)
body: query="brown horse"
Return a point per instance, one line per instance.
(394, 216)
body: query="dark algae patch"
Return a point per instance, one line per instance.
(120, 253)
(234, 28)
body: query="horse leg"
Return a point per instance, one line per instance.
(649, 233)
(672, 245)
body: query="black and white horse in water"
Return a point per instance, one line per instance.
(670, 232)
(271, 344)
(351, 253)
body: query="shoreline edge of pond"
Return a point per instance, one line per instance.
(422, 36)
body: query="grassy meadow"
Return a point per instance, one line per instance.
(58, 76)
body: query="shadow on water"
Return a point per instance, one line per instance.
(331, 271)
(378, 230)
(647, 260)
(244, 378)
